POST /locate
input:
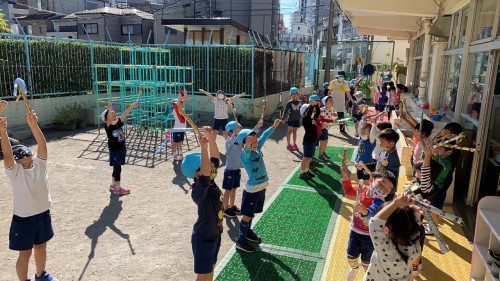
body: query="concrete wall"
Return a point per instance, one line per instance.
(45, 108)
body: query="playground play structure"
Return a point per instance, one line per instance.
(145, 75)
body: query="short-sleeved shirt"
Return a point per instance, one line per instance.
(338, 93)
(116, 138)
(389, 161)
(207, 195)
(328, 113)
(30, 188)
(220, 109)
(386, 262)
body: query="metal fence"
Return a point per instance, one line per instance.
(55, 66)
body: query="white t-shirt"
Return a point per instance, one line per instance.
(177, 121)
(30, 188)
(220, 109)
(338, 93)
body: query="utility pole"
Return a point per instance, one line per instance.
(315, 28)
(273, 19)
(329, 41)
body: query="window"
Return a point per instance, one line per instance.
(90, 28)
(485, 19)
(298, 27)
(455, 31)
(474, 89)
(419, 46)
(132, 29)
(449, 86)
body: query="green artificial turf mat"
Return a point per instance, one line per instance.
(297, 219)
(265, 266)
(327, 174)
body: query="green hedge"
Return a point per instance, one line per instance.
(65, 66)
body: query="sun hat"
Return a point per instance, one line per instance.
(190, 164)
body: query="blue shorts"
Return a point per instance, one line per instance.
(294, 123)
(360, 245)
(220, 124)
(252, 203)
(309, 148)
(324, 135)
(117, 158)
(29, 231)
(357, 117)
(205, 253)
(178, 136)
(231, 179)
(380, 107)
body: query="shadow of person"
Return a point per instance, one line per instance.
(263, 266)
(233, 228)
(180, 180)
(107, 219)
(278, 134)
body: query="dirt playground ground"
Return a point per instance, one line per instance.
(142, 236)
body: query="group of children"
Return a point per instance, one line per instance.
(386, 229)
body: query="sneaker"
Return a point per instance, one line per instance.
(180, 157)
(356, 135)
(289, 147)
(245, 246)
(252, 237)
(121, 190)
(311, 175)
(235, 209)
(304, 176)
(326, 156)
(112, 187)
(176, 157)
(323, 158)
(421, 263)
(295, 147)
(351, 275)
(229, 213)
(45, 277)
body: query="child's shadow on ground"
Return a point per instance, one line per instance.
(106, 220)
(180, 180)
(262, 266)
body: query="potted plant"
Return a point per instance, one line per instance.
(66, 117)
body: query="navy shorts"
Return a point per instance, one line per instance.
(220, 124)
(29, 231)
(476, 106)
(178, 136)
(324, 135)
(309, 148)
(357, 117)
(117, 158)
(231, 179)
(252, 203)
(360, 245)
(205, 253)
(294, 123)
(438, 199)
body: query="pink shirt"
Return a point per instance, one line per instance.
(418, 150)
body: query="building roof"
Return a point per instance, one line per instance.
(180, 24)
(113, 11)
(41, 16)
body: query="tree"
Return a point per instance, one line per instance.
(4, 27)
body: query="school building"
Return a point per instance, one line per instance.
(453, 67)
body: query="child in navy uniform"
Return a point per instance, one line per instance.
(254, 193)
(310, 113)
(207, 230)
(292, 113)
(366, 145)
(232, 172)
(372, 197)
(116, 145)
(31, 226)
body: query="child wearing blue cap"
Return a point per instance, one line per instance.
(232, 172)
(292, 112)
(31, 226)
(207, 230)
(310, 113)
(221, 118)
(254, 193)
